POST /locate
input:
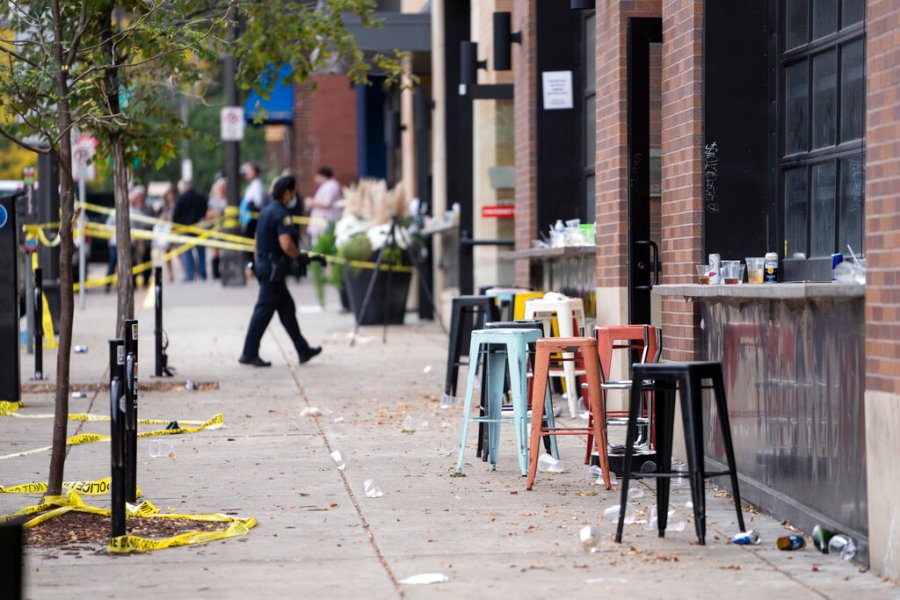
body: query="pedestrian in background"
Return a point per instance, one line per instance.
(276, 253)
(160, 243)
(215, 209)
(324, 205)
(190, 208)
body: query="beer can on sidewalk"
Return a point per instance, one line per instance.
(791, 542)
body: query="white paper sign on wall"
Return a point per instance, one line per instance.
(232, 123)
(557, 90)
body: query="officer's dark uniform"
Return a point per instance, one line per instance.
(274, 220)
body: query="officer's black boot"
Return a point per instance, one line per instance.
(215, 268)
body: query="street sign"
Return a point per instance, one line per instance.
(83, 158)
(500, 211)
(232, 123)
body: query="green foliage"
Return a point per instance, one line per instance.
(325, 244)
(357, 248)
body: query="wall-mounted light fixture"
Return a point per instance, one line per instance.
(503, 40)
(581, 4)
(468, 66)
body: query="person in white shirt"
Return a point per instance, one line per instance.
(253, 201)
(324, 206)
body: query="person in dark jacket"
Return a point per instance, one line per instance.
(277, 254)
(190, 209)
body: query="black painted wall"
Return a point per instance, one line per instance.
(736, 108)
(560, 177)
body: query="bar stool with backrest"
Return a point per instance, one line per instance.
(644, 341)
(502, 348)
(687, 379)
(586, 348)
(569, 313)
(468, 313)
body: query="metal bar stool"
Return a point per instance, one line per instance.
(569, 313)
(549, 441)
(644, 343)
(687, 378)
(468, 313)
(508, 348)
(505, 298)
(587, 348)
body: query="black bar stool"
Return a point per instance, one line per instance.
(468, 314)
(482, 450)
(687, 378)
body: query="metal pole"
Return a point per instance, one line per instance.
(131, 409)
(162, 368)
(117, 430)
(38, 301)
(233, 261)
(82, 250)
(11, 560)
(29, 282)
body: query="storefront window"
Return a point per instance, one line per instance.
(822, 126)
(590, 115)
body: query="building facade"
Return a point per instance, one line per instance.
(697, 127)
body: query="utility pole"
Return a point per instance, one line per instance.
(233, 261)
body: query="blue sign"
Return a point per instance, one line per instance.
(3, 216)
(274, 103)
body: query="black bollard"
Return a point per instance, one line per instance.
(162, 366)
(38, 324)
(11, 560)
(131, 409)
(117, 430)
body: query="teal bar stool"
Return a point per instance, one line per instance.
(502, 349)
(505, 297)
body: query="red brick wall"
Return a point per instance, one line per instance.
(525, 108)
(612, 136)
(324, 130)
(682, 169)
(882, 225)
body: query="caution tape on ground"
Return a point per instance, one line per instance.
(54, 506)
(215, 422)
(98, 487)
(10, 409)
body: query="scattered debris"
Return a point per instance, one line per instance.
(372, 489)
(425, 579)
(338, 459)
(310, 411)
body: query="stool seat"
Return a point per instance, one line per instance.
(687, 378)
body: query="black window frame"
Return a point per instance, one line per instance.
(588, 90)
(841, 150)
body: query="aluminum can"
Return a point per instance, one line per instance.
(770, 274)
(746, 538)
(715, 269)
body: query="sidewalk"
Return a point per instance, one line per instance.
(318, 533)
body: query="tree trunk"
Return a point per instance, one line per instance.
(125, 286)
(67, 248)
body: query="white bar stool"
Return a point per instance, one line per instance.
(568, 312)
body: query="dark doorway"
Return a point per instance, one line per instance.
(643, 252)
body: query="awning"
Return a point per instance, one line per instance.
(278, 109)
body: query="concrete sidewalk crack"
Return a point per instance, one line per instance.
(362, 518)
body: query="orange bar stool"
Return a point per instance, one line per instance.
(569, 315)
(570, 347)
(646, 343)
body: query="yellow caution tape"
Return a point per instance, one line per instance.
(88, 438)
(8, 407)
(88, 488)
(59, 505)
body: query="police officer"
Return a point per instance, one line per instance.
(276, 255)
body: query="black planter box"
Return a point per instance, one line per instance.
(391, 291)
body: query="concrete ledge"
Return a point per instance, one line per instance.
(547, 253)
(777, 291)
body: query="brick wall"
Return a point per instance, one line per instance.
(612, 136)
(525, 107)
(682, 168)
(324, 131)
(882, 225)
